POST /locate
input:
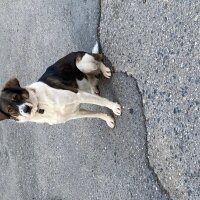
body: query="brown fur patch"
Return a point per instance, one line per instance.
(13, 83)
(78, 59)
(98, 57)
(11, 96)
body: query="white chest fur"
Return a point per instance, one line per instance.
(58, 105)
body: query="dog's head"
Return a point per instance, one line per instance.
(14, 101)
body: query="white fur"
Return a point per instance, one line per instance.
(21, 109)
(87, 64)
(84, 85)
(95, 48)
(62, 105)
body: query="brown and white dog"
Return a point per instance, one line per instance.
(57, 95)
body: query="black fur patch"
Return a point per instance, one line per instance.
(98, 57)
(4, 115)
(11, 96)
(64, 73)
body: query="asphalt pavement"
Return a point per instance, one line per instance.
(140, 159)
(157, 43)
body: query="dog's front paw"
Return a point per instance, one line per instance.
(110, 122)
(117, 109)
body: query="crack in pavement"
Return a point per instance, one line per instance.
(161, 187)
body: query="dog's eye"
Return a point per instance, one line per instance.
(10, 109)
(25, 95)
(14, 97)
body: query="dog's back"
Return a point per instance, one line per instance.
(64, 73)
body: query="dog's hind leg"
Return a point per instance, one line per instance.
(92, 64)
(105, 70)
(94, 82)
(89, 114)
(87, 64)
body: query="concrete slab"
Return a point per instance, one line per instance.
(81, 159)
(157, 42)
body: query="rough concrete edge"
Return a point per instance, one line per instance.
(157, 180)
(161, 187)
(155, 175)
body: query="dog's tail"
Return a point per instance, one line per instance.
(95, 48)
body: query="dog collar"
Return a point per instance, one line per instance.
(41, 111)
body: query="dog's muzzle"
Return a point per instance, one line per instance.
(25, 109)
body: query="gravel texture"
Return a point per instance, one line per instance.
(157, 42)
(82, 159)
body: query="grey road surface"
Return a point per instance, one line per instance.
(82, 159)
(153, 153)
(157, 43)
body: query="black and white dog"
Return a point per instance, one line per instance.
(57, 95)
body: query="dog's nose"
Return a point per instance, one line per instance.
(27, 109)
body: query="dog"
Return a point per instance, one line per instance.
(57, 95)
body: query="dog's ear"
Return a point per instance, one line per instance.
(13, 83)
(3, 116)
